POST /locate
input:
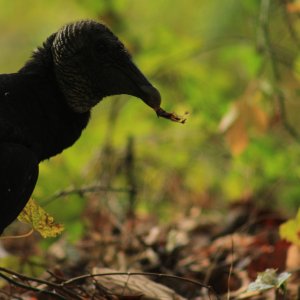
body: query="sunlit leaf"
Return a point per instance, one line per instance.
(40, 220)
(267, 280)
(290, 230)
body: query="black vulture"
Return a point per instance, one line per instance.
(45, 105)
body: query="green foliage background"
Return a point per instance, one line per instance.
(202, 56)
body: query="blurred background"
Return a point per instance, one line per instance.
(232, 65)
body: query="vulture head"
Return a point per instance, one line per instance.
(90, 63)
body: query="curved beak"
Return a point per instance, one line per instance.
(151, 96)
(133, 82)
(143, 88)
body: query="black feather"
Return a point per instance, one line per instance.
(45, 106)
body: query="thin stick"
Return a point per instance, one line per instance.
(230, 269)
(28, 287)
(10, 237)
(84, 190)
(25, 277)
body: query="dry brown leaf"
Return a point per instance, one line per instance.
(137, 285)
(236, 124)
(293, 257)
(237, 137)
(293, 7)
(260, 119)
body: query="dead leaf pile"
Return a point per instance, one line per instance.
(197, 257)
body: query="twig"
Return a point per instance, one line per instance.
(231, 268)
(61, 279)
(28, 287)
(85, 190)
(129, 164)
(10, 237)
(25, 277)
(40, 281)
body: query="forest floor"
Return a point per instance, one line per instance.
(200, 256)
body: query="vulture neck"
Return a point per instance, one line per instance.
(41, 61)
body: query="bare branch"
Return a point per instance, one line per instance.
(81, 191)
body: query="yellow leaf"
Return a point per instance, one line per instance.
(40, 220)
(290, 230)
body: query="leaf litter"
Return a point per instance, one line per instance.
(200, 256)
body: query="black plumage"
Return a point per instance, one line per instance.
(45, 105)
